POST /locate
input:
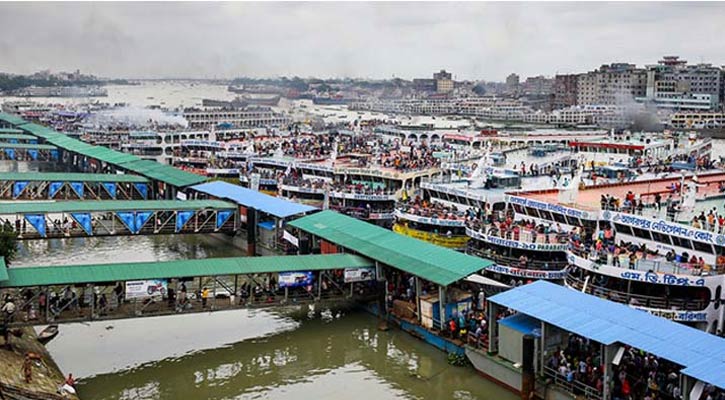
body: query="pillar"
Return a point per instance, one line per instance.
(417, 299)
(492, 328)
(442, 306)
(527, 367)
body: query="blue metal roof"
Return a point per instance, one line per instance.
(523, 323)
(701, 354)
(251, 198)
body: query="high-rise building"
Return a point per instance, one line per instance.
(537, 85)
(672, 83)
(613, 84)
(565, 91)
(512, 83)
(444, 81)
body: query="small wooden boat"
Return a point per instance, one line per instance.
(47, 334)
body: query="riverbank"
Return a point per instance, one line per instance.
(46, 375)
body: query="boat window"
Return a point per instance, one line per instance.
(661, 238)
(623, 229)
(532, 212)
(559, 218)
(641, 233)
(719, 250)
(680, 242)
(589, 224)
(545, 214)
(702, 246)
(573, 221)
(519, 209)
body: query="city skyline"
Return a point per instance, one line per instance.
(475, 41)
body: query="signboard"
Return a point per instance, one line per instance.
(295, 279)
(364, 197)
(380, 216)
(640, 276)
(572, 212)
(676, 315)
(181, 196)
(142, 289)
(527, 273)
(516, 244)
(359, 274)
(667, 228)
(291, 238)
(429, 221)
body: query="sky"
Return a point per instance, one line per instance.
(474, 41)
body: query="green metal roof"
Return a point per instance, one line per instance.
(18, 136)
(70, 177)
(3, 270)
(163, 173)
(110, 205)
(78, 274)
(27, 146)
(151, 169)
(11, 119)
(10, 130)
(425, 260)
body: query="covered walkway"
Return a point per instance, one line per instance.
(611, 329)
(72, 186)
(110, 291)
(35, 220)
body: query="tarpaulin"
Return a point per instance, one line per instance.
(127, 217)
(182, 217)
(84, 220)
(78, 188)
(10, 153)
(33, 153)
(222, 217)
(110, 188)
(18, 188)
(38, 222)
(53, 188)
(54, 154)
(141, 218)
(143, 189)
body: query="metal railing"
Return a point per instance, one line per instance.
(663, 302)
(515, 262)
(660, 265)
(574, 387)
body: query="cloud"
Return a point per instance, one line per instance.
(473, 40)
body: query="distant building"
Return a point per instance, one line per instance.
(613, 84)
(537, 85)
(444, 81)
(425, 85)
(565, 91)
(443, 75)
(674, 84)
(512, 83)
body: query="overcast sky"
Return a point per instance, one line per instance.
(376, 40)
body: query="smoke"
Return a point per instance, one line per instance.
(136, 117)
(639, 116)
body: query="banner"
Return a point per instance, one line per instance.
(222, 217)
(295, 279)
(182, 217)
(127, 218)
(141, 289)
(84, 220)
(10, 153)
(53, 189)
(141, 218)
(78, 188)
(38, 222)
(33, 153)
(142, 189)
(291, 238)
(110, 188)
(359, 274)
(18, 188)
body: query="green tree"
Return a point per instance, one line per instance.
(8, 243)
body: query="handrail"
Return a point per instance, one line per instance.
(515, 262)
(492, 230)
(664, 266)
(664, 302)
(574, 387)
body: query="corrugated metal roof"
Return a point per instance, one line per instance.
(10, 130)
(110, 205)
(701, 354)
(70, 177)
(425, 260)
(4, 145)
(251, 198)
(16, 136)
(148, 168)
(11, 119)
(76, 274)
(3, 270)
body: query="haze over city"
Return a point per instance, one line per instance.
(369, 40)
